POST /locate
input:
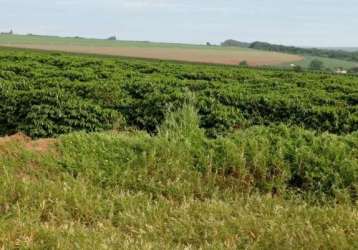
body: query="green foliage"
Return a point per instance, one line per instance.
(298, 68)
(236, 158)
(266, 159)
(316, 65)
(112, 38)
(243, 63)
(284, 157)
(41, 113)
(234, 43)
(37, 87)
(353, 70)
(327, 53)
(329, 63)
(44, 207)
(275, 187)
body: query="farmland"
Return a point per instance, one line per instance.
(164, 51)
(107, 153)
(169, 51)
(329, 63)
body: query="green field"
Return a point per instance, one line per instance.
(329, 63)
(150, 50)
(111, 153)
(99, 46)
(350, 49)
(55, 40)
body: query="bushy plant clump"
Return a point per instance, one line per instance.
(275, 187)
(275, 159)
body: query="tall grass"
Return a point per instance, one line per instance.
(265, 159)
(255, 189)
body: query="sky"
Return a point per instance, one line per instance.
(290, 22)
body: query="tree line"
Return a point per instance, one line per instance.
(328, 53)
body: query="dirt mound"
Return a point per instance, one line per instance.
(18, 137)
(41, 145)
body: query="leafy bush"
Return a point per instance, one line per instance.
(266, 159)
(316, 65)
(44, 113)
(284, 157)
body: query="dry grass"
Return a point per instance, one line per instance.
(129, 190)
(39, 146)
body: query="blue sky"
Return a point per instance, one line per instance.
(294, 22)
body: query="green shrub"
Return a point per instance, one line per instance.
(51, 113)
(227, 97)
(266, 159)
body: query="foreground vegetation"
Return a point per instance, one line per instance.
(149, 154)
(179, 189)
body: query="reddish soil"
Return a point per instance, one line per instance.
(217, 56)
(40, 146)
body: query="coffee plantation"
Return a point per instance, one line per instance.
(141, 154)
(48, 94)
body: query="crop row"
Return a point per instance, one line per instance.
(48, 94)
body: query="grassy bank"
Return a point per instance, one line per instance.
(259, 188)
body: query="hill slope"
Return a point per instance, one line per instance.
(333, 58)
(150, 154)
(176, 52)
(339, 54)
(44, 90)
(129, 190)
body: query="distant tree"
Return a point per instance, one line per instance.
(353, 70)
(208, 44)
(243, 63)
(234, 43)
(7, 33)
(316, 64)
(297, 68)
(330, 53)
(112, 38)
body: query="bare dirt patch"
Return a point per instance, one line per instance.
(18, 137)
(216, 56)
(39, 146)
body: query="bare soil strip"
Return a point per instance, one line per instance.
(215, 56)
